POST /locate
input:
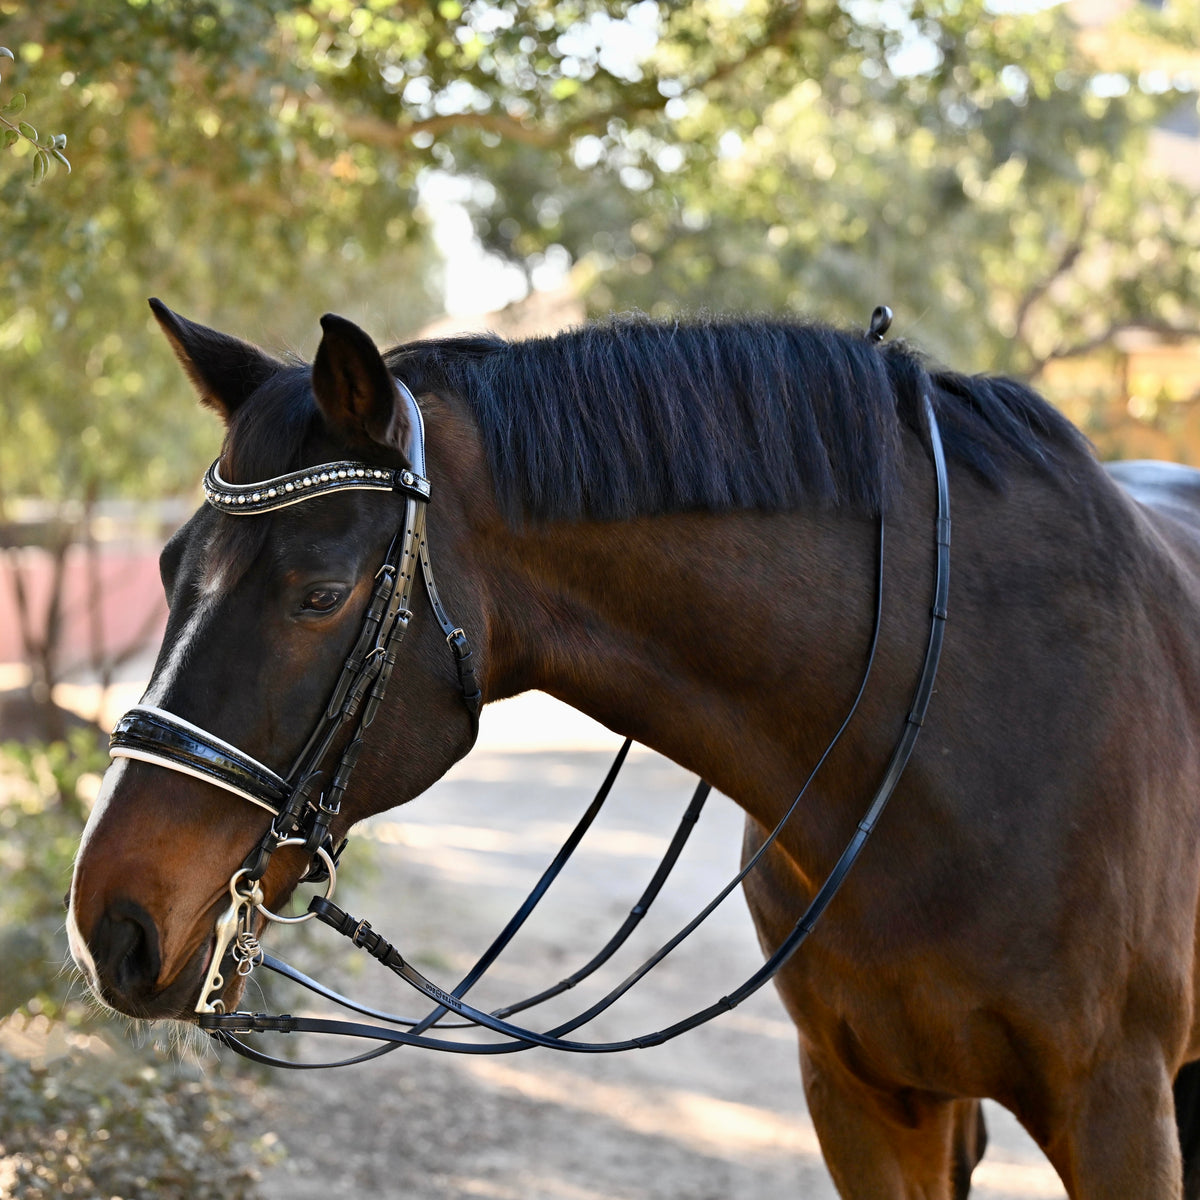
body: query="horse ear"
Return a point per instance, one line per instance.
(355, 390)
(224, 369)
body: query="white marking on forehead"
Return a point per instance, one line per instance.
(165, 678)
(214, 583)
(159, 687)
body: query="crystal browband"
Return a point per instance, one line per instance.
(284, 490)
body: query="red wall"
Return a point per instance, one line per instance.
(130, 595)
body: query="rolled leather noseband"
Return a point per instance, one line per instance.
(154, 735)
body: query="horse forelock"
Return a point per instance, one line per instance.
(630, 416)
(266, 437)
(268, 433)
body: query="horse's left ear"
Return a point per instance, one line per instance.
(225, 370)
(354, 389)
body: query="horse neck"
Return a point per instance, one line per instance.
(733, 643)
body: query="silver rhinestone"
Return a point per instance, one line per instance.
(406, 478)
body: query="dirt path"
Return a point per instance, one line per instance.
(716, 1114)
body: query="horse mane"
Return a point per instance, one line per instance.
(631, 416)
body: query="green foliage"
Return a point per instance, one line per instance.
(189, 182)
(13, 130)
(980, 173)
(41, 818)
(256, 164)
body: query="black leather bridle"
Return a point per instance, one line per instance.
(303, 805)
(302, 813)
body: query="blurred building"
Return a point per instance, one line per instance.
(1140, 396)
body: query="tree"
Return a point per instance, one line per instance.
(180, 186)
(256, 164)
(983, 174)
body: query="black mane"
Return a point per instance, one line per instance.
(630, 416)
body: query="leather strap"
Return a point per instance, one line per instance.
(223, 1026)
(154, 735)
(297, 801)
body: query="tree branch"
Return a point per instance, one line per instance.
(29, 641)
(377, 131)
(1066, 261)
(1104, 338)
(384, 134)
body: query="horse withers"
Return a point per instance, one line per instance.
(674, 527)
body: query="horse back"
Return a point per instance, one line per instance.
(1166, 488)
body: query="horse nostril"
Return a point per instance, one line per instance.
(126, 951)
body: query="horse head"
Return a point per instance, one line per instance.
(267, 605)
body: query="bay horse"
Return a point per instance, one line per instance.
(673, 526)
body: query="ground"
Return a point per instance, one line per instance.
(718, 1113)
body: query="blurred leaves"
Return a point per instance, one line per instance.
(256, 164)
(44, 152)
(41, 818)
(978, 172)
(93, 1126)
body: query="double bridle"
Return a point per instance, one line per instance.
(304, 802)
(303, 810)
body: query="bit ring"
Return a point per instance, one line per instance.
(327, 859)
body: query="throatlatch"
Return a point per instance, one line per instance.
(302, 814)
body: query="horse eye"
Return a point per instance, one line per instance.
(321, 600)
